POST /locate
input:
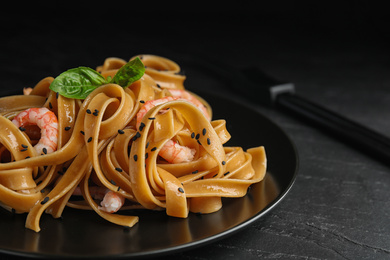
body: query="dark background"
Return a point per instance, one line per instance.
(337, 54)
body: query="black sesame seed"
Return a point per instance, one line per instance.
(57, 94)
(151, 118)
(146, 156)
(141, 126)
(67, 128)
(119, 188)
(208, 141)
(226, 173)
(223, 162)
(147, 145)
(23, 150)
(46, 199)
(88, 111)
(136, 136)
(198, 142)
(142, 101)
(204, 131)
(44, 150)
(24, 146)
(135, 157)
(158, 86)
(22, 128)
(50, 105)
(27, 157)
(82, 132)
(118, 169)
(43, 191)
(180, 189)
(196, 171)
(96, 112)
(120, 131)
(89, 139)
(197, 136)
(192, 135)
(113, 182)
(153, 149)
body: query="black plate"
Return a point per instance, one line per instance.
(85, 234)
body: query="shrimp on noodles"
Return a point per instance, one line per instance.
(111, 201)
(176, 153)
(46, 120)
(172, 152)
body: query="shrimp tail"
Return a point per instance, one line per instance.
(111, 202)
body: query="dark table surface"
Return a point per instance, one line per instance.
(338, 57)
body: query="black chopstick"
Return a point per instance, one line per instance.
(352, 133)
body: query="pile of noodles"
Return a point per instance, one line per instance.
(92, 152)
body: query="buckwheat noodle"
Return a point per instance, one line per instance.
(107, 149)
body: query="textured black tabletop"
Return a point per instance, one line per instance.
(337, 56)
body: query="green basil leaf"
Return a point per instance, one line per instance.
(129, 73)
(77, 83)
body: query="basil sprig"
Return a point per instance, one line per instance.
(79, 82)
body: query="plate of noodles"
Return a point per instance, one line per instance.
(124, 160)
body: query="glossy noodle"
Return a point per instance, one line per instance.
(151, 145)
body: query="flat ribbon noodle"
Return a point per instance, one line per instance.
(197, 122)
(165, 72)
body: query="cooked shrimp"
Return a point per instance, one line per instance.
(172, 152)
(183, 94)
(47, 121)
(175, 153)
(149, 105)
(111, 201)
